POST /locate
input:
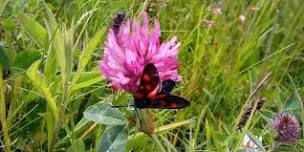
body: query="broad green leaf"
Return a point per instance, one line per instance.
(114, 139)
(4, 59)
(62, 45)
(39, 82)
(25, 58)
(34, 29)
(86, 55)
(105, 114)
(87, 79)
(50, 67)
(11, 53)
(292, 104)
(9, 24)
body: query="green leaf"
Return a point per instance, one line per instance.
(266, 115)
(87, 79)
(34, 29)
(79, 126)
(50, 67)
(39, 82)
(80, 146)
(86, 55)
(292, 104)
(105, 114)
(25, 58)
(9, 24)
(62, 45)
(114, 139)
(85, 58)
(4, 59)
(3, 3)
(208, 134)
(50, 121)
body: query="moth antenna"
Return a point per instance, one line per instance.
(122, 106)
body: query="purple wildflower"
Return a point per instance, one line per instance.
(132, 46)
(287, 127)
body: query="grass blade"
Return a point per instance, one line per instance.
(39, 82)
(3, 114)
(34, 29)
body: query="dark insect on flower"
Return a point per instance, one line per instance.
(117, 21)
(150, 95)
(287, 127)
(127, 52)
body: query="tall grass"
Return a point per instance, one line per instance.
(53, 48)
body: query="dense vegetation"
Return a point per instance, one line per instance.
(233, 54)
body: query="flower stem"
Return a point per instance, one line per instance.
(3, 114)
(155, 139)
(274, 146)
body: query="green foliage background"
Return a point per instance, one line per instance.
(49, 64)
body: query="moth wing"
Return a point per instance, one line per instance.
(165, 101)
(167, 86)
(149, 82)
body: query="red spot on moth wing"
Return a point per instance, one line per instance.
(159, 96)
(152, 94)
(149, 80)
(148, 87)
(162, 103)
(173, 104)
(139, 95)
(146, 77)
(171, 101)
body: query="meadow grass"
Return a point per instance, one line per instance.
(50, 72)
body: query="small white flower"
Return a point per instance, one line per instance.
(242, 18)
(249, 144)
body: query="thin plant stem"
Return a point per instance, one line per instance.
(247, 103)
(157, 142)
(3, 114)
(274, 146)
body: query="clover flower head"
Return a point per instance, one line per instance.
(286, 126)
(133, 45)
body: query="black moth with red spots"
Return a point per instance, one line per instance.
(150, 94)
